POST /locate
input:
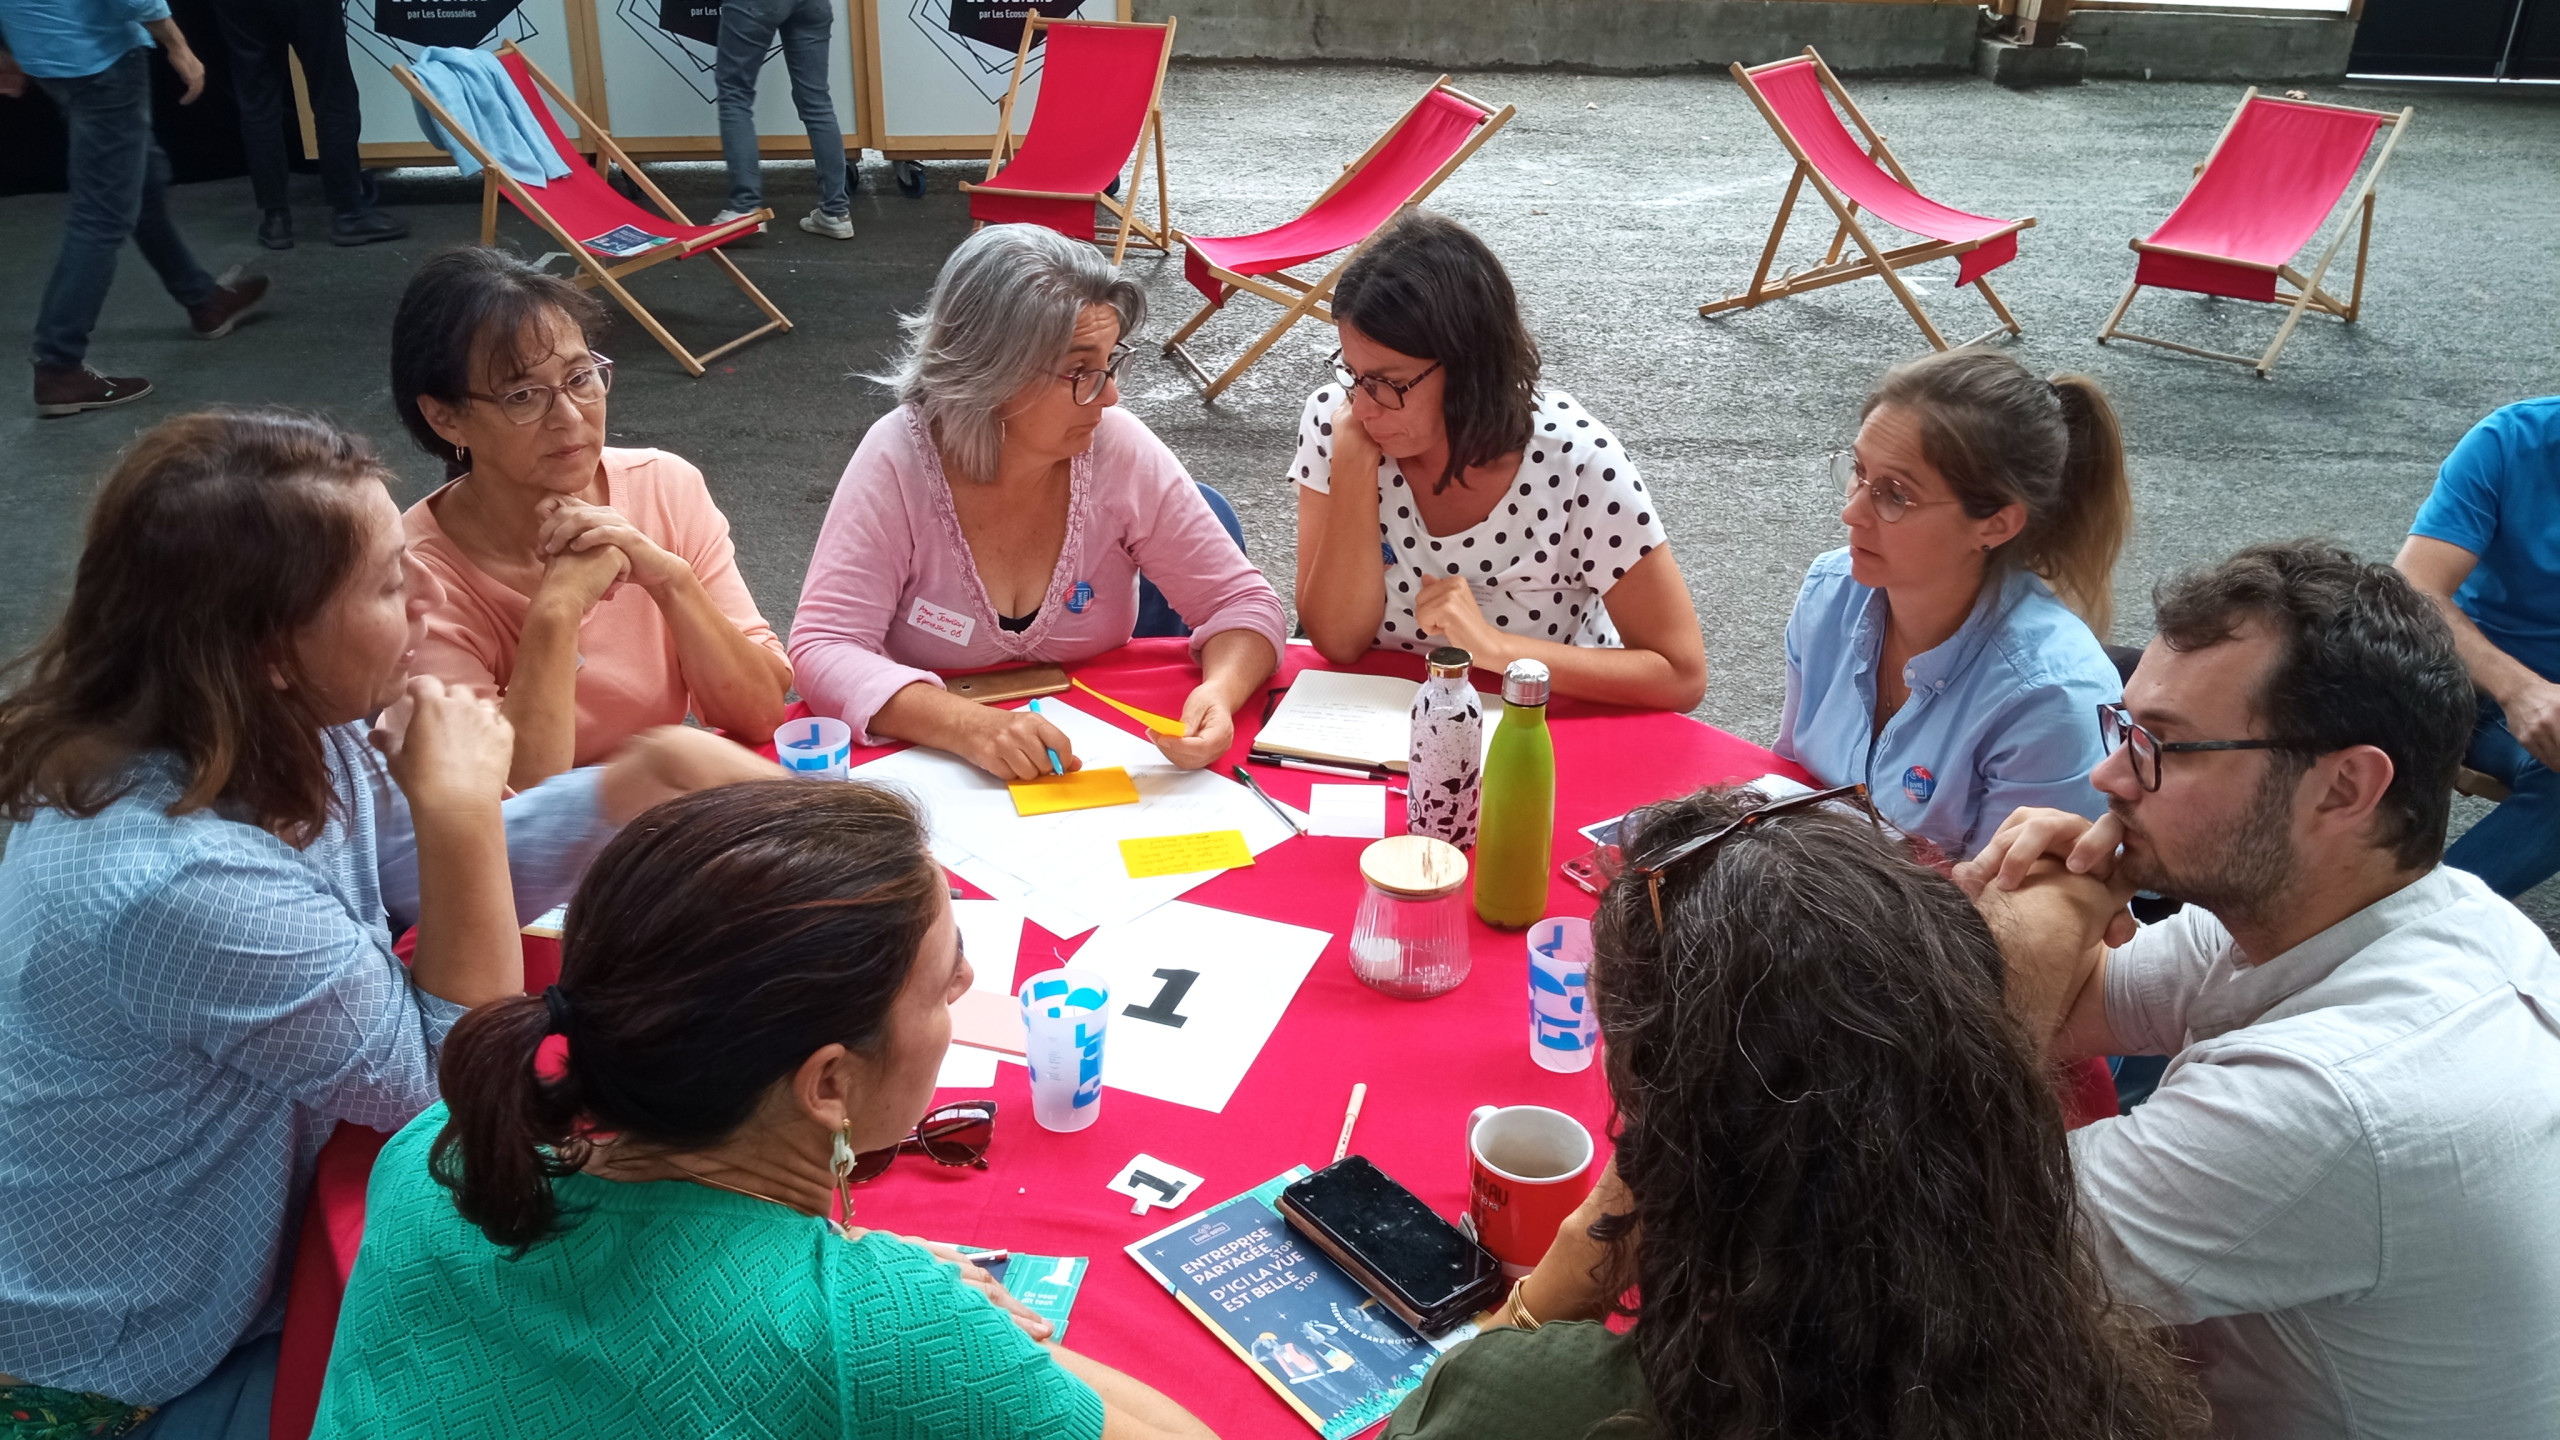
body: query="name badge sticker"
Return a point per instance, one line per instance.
(934, 619)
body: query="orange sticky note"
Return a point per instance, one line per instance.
(1184, 854)
(1148, 718)
(1075, 790)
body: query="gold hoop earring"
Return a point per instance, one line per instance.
(840, 1165)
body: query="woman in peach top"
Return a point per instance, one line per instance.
(595, 587)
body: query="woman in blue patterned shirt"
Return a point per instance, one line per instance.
(1948, 656)
(198, 902)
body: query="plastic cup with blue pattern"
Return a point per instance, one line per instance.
(1064, 1016)
(1563, 1032)
(816, 746)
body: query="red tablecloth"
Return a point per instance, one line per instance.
(1426, 1065)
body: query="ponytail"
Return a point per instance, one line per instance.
(717, 942)
(2001, 436)
(511, 1130)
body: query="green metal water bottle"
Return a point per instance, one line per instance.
(1517, 836)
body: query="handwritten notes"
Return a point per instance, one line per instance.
(1154, 855)
(1088, 789)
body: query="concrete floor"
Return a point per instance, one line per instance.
(1619, 203)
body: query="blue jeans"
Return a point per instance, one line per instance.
(2516, 846)
(232, 1403)
(747, 28)
(119, 188)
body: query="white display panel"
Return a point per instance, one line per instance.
(659, 83)
(944, 66)
(540, 29)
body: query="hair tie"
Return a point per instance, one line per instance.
(557, 1003)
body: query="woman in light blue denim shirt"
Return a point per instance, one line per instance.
(197, 905)
(1948, 657)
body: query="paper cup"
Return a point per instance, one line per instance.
(816, 746)
(1527, 1167)
(1064, 1015)
(1563, 1032)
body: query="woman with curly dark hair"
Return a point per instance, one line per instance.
(1841, 1192)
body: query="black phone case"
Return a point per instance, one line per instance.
(1431, 1315)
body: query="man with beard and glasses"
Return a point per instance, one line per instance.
(2346, 1191)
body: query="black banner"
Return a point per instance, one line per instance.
(999, 22)
(692, 19)
(462, 24)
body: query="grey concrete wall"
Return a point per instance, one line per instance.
(2250, 49)
(1621, 36)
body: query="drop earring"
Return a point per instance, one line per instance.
(840, 1165)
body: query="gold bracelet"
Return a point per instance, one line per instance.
(1521, 1319)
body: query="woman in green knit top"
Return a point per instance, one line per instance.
(632, 1240)
(1841, 1190)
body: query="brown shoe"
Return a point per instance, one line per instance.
(70, 389)
(234, 296)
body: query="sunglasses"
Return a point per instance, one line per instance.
(956, 1135)
(1652, 868)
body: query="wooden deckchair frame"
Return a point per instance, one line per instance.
(1301, 299)
(1158, 237)
(1878, 261)
(2307, 291)
(593, 271)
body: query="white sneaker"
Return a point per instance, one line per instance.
(725, 216)
(834, 227)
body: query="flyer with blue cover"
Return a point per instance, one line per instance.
(1338, 1357)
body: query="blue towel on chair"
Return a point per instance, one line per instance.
(481, 97)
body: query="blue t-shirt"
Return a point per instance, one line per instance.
(66, 39)
(2498, 496)
(2003, 714)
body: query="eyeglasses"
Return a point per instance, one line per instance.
(1085, 386)
(588, 385)
(1890, 501)
(1652, 869)
(955, 1135)
(2116, 728)
(1384, 393)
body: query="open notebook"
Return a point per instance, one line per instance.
(1339, 718)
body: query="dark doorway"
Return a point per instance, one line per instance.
(2459, 39)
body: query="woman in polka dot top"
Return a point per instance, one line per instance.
(1443, 498)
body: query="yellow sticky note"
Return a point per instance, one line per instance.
(1148, 718)
(1183, 854)
(1075, 790)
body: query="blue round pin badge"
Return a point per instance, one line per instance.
(1919, 784)
(1080, 597)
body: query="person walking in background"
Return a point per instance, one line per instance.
(2486, 549)
(259, 32)
(747, 31)
(91, 57)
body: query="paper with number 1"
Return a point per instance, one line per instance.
(1195, 995)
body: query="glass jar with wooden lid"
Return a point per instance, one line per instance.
(1410, 939)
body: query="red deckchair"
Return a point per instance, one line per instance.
(1425, 145)
(2272, 181)
(1795, 97)
(580, 208)
(1101, 100)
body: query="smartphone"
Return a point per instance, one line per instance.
(989, 687)
(1593, 870)
(1418, 1265)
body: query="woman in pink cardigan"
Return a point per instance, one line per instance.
(1001, 514)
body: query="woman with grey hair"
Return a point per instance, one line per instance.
(1002, 513)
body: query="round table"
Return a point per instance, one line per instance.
(1426, 1063)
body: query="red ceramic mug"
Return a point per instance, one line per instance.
(1528, 1166)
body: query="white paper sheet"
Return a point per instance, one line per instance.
(1195, 994)
(991, 936)
(1361, 719)
(1064, 871)
(1356, 811)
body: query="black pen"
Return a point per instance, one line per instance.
(1264, 796)
(1317, 767)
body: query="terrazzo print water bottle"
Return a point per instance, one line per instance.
(1444, 773)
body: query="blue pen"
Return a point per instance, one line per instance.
(1056, 766)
